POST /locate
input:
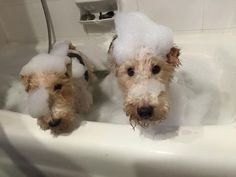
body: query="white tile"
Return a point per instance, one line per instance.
(219, 14)
(65, 16)
(177, 14)
(128, 5)
(3, 39)
(17, 2)
(24, 22)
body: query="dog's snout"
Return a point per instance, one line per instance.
(54, 122)
(145, 112)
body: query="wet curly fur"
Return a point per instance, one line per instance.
(137, 87)
(67, 95)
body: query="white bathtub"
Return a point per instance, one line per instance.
(115, 150)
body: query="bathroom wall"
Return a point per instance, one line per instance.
(3, 39)
(25, 22)
(2, 36)
(24, 19)
(183, 15)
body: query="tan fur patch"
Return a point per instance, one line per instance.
(173, 57)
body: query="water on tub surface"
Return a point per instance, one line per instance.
(202, 91)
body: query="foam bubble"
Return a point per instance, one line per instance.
(135, 31)
(45, 63)
(38, 102)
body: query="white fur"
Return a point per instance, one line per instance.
(45, 63)
(38, 102)
(135, 31)
(78, 69)
(146, 88)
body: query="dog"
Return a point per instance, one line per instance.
(143, 59)
(53, 88)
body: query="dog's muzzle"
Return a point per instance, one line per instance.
(145, 112)
(54, 122)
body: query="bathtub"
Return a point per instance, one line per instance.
(99, 149)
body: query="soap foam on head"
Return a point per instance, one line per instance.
(54, 62)
(136, 31)
(60, 48)
(45, 63)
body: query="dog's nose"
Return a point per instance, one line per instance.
(54, 122)
(145, 112)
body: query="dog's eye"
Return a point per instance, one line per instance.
(130, 71)
(57, 87)
(156, 69)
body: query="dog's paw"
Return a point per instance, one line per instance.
(43, 124)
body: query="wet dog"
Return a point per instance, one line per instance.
(143, 69)
(54, 87)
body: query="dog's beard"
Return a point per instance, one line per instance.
(134, 119)
(160, 112)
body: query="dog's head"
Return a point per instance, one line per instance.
(50, 90)
(144, 80)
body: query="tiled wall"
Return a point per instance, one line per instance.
(177, 14)
(24, 21)
(3, 38)
(219, 14)
(191, 14)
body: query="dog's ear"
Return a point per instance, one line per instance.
(69, 69)
(173, 57)
(26, 80)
